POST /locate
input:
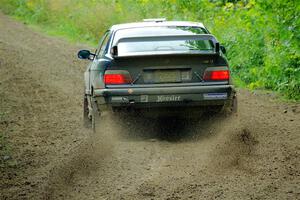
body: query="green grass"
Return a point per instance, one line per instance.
(65, 32)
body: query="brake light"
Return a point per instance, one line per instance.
(116, 79)
(217, 75)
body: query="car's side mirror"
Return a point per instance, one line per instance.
(85, 54)
(223, 49)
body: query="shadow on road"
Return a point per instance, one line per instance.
(171, 129)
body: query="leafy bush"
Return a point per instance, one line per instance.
(261, 37)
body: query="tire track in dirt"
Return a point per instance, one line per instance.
(251, 155)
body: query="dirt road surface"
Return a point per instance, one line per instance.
(251, 155)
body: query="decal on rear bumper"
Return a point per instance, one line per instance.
(172, 98)
(214, 96)
(167, 98)
(144, 98)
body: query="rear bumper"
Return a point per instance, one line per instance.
(165, 96)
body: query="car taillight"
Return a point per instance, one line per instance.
(217, 75)
(114, 79)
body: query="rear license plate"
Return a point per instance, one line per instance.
(167, 76)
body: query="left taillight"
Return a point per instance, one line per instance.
(117, 77)
(216, 75)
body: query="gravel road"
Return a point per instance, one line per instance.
(251, 155)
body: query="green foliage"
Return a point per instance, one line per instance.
(262, 37)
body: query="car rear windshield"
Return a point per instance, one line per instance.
(158, 46)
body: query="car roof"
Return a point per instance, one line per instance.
(155, 24)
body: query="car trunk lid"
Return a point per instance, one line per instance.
(166, 69)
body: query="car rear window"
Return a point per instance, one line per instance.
(161, 46)
(153, 47)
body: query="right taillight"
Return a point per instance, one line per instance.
(216, 75)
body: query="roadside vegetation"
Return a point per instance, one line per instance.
(262, 37)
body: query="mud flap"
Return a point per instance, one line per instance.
(234, 104)
(230, 107)
(87, 122)
(96, 121)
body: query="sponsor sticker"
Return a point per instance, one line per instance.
(166, 98)
(213, 96)
(144, 98)
(119, 99)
